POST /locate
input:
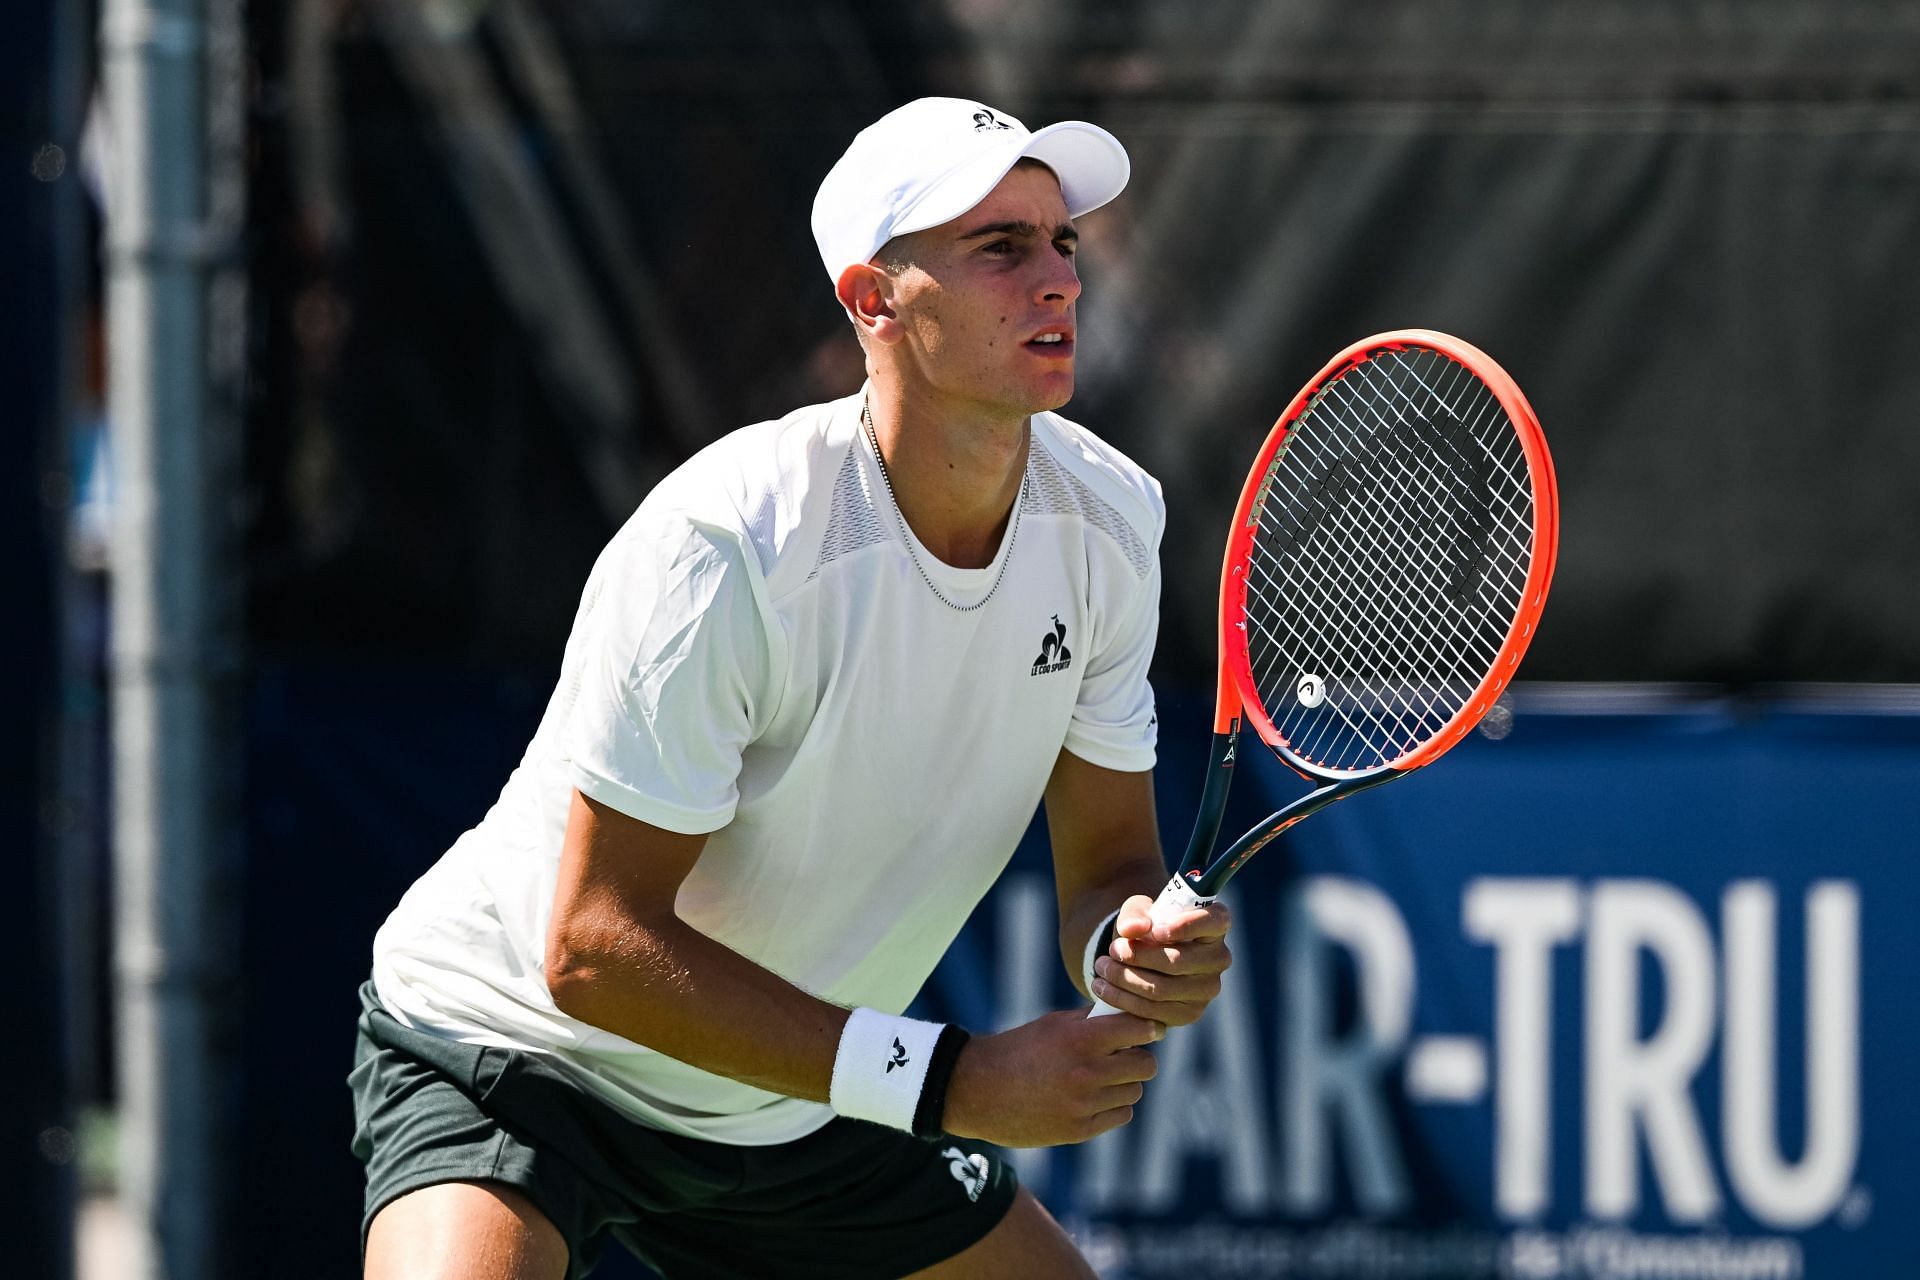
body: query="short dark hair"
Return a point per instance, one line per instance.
(895, 255)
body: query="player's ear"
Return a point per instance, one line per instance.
(867, 293)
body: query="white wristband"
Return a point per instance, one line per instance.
(1094, 950)
(881, 1067)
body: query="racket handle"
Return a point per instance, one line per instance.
(1175, 900)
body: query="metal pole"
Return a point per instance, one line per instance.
(165, 659)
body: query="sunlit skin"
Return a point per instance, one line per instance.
(949, 319)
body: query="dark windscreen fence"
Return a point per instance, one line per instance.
(528, 257)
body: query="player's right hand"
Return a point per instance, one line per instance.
(1061, 1078)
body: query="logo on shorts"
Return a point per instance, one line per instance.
(969, 1171)
(984, 120)
(899, 1058)
(1054, 655)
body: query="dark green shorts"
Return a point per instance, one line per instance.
(852, 1200)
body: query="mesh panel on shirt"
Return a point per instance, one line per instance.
(1054, 490)
(852, 522)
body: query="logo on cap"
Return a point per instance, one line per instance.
(984, 120)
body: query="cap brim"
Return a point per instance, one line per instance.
(1090, 163)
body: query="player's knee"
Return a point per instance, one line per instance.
(471, 1230)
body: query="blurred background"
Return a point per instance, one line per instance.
(340, 334)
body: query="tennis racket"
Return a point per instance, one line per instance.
(1385, 570)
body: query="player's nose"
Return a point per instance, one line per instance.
(1059, 279)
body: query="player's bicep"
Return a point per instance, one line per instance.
(618, 880)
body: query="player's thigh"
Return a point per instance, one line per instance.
(1027, 1245)
(468, 1230)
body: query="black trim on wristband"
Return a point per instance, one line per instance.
(1107, 935)
(930, 1113)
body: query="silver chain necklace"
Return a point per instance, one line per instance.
(906, 535)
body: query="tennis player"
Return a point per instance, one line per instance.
(815, 690)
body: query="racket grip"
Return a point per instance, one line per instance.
(1175, 900)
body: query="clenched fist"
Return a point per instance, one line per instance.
(1061, 1078)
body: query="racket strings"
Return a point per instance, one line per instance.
(1419, 698)
(1411, 701)
(1423, 655)
(1515, 497)
(1448, 647)
(1321, 623)
(1515, 519)
(1340, 576)
(1413, 690)
(1392, 549)
(1510, 492)
(1407, 499)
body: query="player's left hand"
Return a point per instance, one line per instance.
(1169, 973)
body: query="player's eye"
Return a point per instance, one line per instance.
(999, 248)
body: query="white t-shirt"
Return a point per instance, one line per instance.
(757, 657)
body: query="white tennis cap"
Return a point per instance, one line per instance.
(935, 158)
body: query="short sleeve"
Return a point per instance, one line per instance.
(1114, 724)
(675, 663)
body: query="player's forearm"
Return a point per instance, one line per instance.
(669, 987)
(1088, 906)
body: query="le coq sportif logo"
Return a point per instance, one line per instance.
(1054, 655)
(969, 1170)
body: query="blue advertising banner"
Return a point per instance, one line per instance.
(1625, 986)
